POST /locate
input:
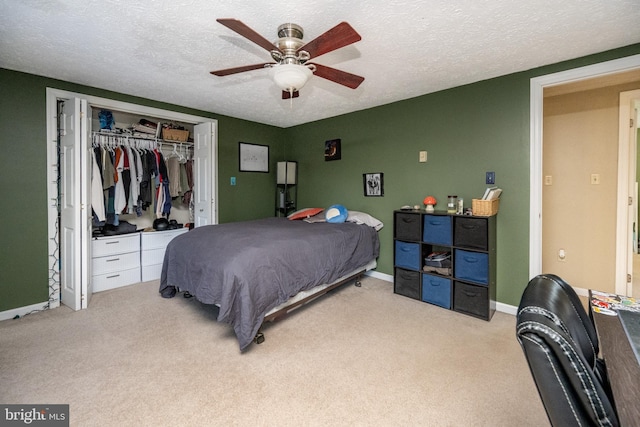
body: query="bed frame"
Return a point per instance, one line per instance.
(305, 297)
(281, 311)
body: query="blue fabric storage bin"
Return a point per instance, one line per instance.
(408, 255)
(437, 229)
(436, 290)
(473, 266)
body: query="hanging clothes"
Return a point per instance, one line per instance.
(173, 170)
(134, 188)
(163, 197)
(97, 197)
(120, 200)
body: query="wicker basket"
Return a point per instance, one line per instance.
(485, 207)
(175, 135)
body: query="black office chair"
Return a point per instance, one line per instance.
(561, 347)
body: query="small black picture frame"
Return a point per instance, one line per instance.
(253, 157)
(332, 150)
(373, 184)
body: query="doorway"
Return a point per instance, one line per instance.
(536, 172)
(205, 186)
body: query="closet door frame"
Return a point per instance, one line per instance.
(52, 97)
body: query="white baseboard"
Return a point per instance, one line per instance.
(501, 307)
(506, 308)
(21, 311)
(381, 276)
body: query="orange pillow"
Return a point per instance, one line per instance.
(305, 213)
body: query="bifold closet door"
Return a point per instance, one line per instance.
(203, 173)
(75, 205)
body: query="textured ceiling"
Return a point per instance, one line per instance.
(164, 49)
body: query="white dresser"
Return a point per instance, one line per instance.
(115, 261)
(153, 245)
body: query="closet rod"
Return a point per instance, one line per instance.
(113, 140)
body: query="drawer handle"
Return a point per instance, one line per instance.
(434, 283)
(406, 249)
(113, 277)
(470, 260)
(407, 220)
(470, 227)
(471, 294)
(112, 243)
(114, 259)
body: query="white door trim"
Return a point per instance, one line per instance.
(537, 86)
(52, 95)
(626, 191)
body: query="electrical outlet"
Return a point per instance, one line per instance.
(423, 157)
(595, 178)
(548, 180)
(491, 177)
(233, 180)
(562, 255)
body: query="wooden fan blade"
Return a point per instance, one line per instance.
(242, 29)
(339, 36)
(341, 77)
(242, 69)
(287, 95)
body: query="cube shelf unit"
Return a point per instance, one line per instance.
(469, 285)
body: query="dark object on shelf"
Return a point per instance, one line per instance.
(113, 230)
(161, 224)
(438, 259)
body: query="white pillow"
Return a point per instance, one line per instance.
(363, 218)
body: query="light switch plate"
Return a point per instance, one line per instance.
(491, 177)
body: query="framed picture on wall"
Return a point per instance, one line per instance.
(254, 157)
(373, 184)
(332, 150)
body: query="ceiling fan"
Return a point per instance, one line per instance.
(291, 68)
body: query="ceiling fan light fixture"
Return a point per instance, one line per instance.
(290, 77)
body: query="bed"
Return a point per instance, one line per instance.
(255, 270)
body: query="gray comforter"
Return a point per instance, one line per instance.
(247, 268)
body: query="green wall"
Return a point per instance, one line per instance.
(24, 269)
(466, 130)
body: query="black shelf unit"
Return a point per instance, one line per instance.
(466, 285)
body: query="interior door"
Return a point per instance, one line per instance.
(74, 284)
(203, 186)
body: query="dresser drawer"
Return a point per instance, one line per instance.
(407, 226)
(407, 255)
(407, 283)
(103, 282)
(159, 239)
(111, 263)
(473, 266)
(471, 233)
(437, 229)
(101, 246)
(436, 290)
(151, 272)
(152, 256)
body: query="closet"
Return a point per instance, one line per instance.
(91, 252)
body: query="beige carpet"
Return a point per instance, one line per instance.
(357, 357)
